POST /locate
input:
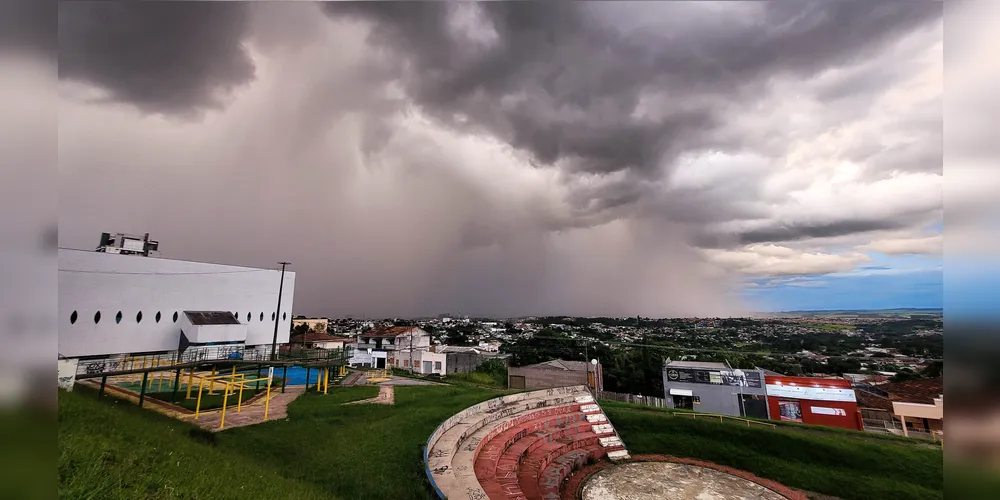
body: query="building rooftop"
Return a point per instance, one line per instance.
(211, 318)
(914, 391)
(390, 331)
(697, 364)
(317, 337)
(559, 364)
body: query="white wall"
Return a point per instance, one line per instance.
(92, 281)
(432, 357)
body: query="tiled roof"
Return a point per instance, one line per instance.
(914, 391)
(386, 332)
(316, 337)
(873, 401)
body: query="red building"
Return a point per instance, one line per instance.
(816, 401)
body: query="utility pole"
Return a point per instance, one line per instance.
(411, 351)
(277, 315)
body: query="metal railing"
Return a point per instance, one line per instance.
(128, 363)
(632, 398)
(895, 428)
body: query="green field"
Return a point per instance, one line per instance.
(850, 466)
(111, 449)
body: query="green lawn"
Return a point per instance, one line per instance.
(356, 451)
(112, 449)
(852, 467)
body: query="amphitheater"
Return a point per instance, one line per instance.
(525, 446)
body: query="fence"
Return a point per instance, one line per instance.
(632, 398)
(661, 403)
(128, 363)
(896, 429)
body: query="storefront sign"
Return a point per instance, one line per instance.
(820, 410)
(813, 393)
(714, 377)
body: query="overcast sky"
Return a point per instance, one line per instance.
(620, 158)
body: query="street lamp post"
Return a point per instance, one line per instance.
(277, 315)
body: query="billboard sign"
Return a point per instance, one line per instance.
(813, 393)
(714, 377)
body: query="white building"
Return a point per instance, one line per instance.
(404, 347)
(111, 304)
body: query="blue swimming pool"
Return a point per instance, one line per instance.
(296, 375)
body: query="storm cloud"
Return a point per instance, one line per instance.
(557, 80)
(496, 158)
(175, 58)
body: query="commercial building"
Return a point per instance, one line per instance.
(714, 388)
(115, 304)
(556, 373)
(817, 401)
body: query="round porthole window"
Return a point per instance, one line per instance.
(72, 318)
(284, 316)
(97, 317)
(262, 316)
(118, 317)
(248, 317)
(138, 317)
(175, 316)
(158, 316)
(272, 316)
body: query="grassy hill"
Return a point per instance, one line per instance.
(848, 465)
(328, 450)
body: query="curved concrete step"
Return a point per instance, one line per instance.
(452, 447)
(530, 479)
(502, 481)
(495, 444)
(559, 468)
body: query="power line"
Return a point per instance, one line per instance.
(726, 351)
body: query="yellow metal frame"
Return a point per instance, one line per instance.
(376, 376)
(230, 389)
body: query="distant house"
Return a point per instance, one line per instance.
(466, 359)
(319, 341)
(911, 406)
(404, 347)
(556, 373)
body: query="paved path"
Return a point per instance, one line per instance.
(250, 414)
(670, 481)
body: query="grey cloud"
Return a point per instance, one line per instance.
(28, 26)
(562, 83)
(790, 232)
(175, 58)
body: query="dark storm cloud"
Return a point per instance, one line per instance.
(803, 231)
(162, 57)
(562, 85)
(28, 26)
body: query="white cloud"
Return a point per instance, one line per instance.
(905, 246)
(774, 260)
